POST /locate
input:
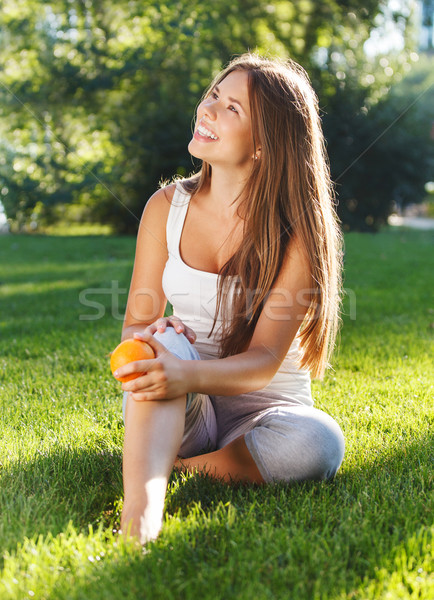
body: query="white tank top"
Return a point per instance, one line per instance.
(193, 295)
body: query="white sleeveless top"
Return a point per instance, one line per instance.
(193, 295)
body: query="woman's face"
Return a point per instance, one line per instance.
(223, 132)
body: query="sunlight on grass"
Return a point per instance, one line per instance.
(366, 535)
(68, 229)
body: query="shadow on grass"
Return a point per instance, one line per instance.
(337, 535)
(43, 495)
(305, 540)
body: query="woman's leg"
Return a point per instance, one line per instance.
(153, 435)
(231, 463)
(293, 443)
(298, 443)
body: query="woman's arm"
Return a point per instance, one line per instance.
(146, 301)
(281, 317)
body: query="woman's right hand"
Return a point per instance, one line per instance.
(160, 325)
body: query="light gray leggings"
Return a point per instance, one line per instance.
(287, 441)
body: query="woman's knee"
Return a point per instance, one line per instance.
(177, 343)
(304, 444)
(328, 440)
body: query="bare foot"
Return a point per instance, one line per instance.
(143, 524)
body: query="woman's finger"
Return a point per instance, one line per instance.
(190, 334)
(145, 396)
(176, 323)
(143, 382)
(180, 327)
(152, 328)
(156, 346)
(161, 324)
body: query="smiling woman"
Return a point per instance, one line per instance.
(248, 252)
(225, 127)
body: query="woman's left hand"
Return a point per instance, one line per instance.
(163, 378)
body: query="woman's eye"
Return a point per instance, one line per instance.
(214, 95)
(232, 108)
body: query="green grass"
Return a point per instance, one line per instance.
(367, 534)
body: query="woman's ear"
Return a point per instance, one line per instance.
(257, 154)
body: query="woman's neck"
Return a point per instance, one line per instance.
(226, 188)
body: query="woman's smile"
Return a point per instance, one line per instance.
(203, 134)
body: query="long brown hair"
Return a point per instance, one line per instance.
(288, 193)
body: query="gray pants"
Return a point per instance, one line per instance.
(288, 441)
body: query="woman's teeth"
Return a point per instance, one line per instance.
(205, 132)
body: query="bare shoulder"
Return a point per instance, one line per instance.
(154, 218)
(157, 208)
(159, 203)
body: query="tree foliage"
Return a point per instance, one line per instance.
(382, 154)
(97, 97)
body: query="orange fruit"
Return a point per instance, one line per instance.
(128, 351)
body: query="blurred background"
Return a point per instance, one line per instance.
(97, 100)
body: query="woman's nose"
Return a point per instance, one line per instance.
(209, 110)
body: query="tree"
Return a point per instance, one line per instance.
(382, 153)
(97, 97)
(111, 89)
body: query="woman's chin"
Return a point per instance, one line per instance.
(195, 151)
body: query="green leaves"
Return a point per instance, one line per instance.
(97, 98)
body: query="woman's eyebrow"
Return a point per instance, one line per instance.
(217, 89)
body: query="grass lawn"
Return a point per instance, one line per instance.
(367, 534)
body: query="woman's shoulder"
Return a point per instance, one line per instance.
(158, 205)
(163, 197)
(156, 211)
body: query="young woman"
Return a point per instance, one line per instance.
(248, 252)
